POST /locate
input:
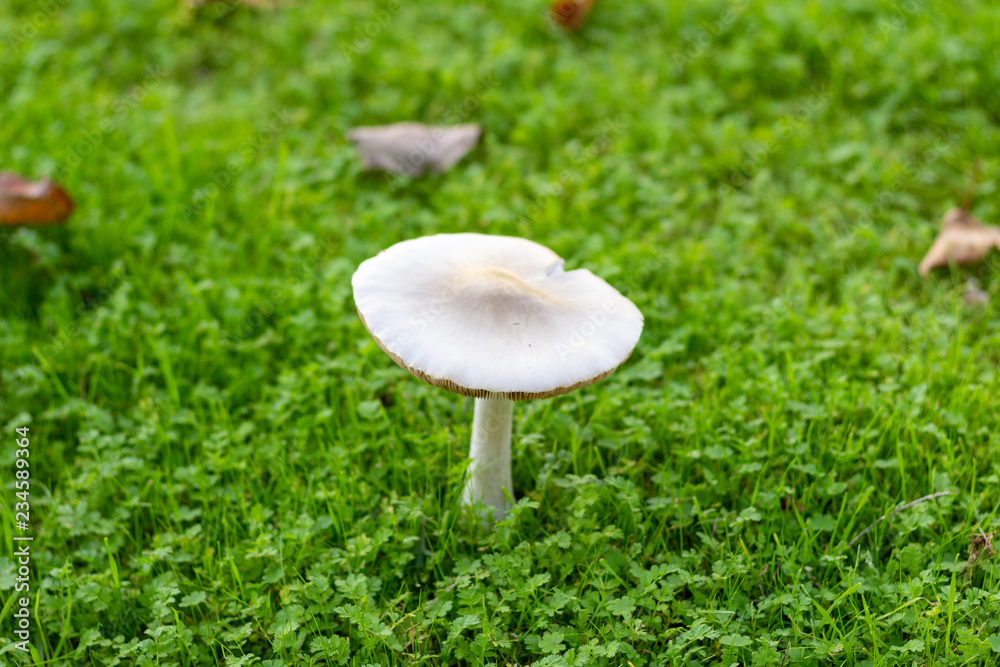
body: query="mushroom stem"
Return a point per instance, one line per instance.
(489, 469)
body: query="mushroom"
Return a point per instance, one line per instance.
(496, 318)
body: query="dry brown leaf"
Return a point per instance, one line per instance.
(410, 149)
(23, 202)
(571, 14)
(980, 547)
(962, 240)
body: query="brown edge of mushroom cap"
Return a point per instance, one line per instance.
(484, 393)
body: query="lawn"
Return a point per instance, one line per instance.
(226, 469)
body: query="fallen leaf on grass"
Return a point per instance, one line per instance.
(410, 149)
(571, 14)
(962, 240)
(23, 202)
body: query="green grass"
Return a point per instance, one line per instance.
(227, 470)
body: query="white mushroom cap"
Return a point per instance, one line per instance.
(493, 316)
